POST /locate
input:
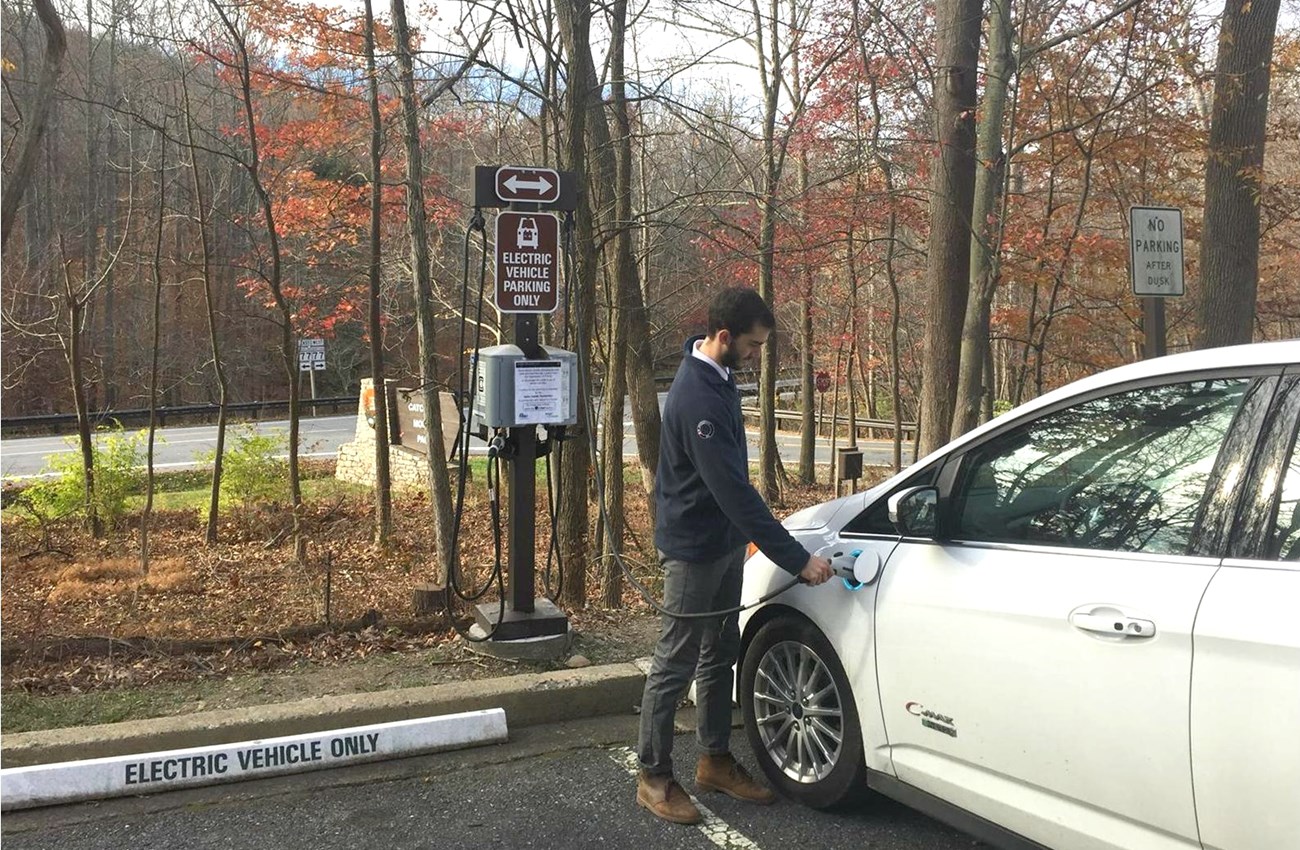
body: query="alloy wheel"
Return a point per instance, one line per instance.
(798, 712)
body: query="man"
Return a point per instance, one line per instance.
(707, 512)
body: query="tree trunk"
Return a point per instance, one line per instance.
(891, 277)
(288, 350)
(582, 99)
(147, 515)
(989, 174)
(383, 476)
(770, 66)
(1234, 174)
(626, 290)
(832, 478)
(850, 253)
(17, 181)
(952, 188)
(85, 437)
(807, 389)
(439, 483)
(209, 302)
(639, 359)
(611, 543)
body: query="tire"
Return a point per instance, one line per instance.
(825, 772)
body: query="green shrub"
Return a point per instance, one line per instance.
(253, 469)
(117, 457)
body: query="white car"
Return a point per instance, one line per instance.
(1078, 626)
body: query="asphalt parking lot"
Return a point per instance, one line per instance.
(566, 785)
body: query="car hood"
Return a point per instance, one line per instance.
(836, 512)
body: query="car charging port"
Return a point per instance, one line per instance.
(842, 561)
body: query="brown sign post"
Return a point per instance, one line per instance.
(528, 245)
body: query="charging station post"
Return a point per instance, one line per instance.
(522, 478)
(523, 386)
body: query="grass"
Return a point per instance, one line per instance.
(25, 712)
(313, 489)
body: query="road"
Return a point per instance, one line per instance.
(560, 786)
(321, 437)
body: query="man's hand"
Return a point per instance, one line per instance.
(816, 571)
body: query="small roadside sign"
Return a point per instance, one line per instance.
(311, 354)
(527, 247)
(531, 185)
(1156, 251)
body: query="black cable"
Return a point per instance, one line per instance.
(465, 412)
(585, 393)
(553, 554)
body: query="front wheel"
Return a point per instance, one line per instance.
(799, 715)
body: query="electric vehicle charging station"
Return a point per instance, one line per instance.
(521, 387)
(517, 389)
(513, 391)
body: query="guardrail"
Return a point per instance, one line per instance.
(14, 426)
(869, 424)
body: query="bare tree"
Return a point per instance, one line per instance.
(383, 477)
(582, 106)
(1234, 174)
(288, 352)
(17, 180)
(439, 482)
(210, 310)
(156, 350)
(989, 176)
(952, 188)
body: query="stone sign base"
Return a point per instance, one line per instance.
(407, 468)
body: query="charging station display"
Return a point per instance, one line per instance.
(539, 392)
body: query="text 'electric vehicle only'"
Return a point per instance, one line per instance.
(1077, 626)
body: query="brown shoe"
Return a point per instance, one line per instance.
(665, 798)
(723, 773)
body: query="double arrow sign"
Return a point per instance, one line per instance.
(532, 185)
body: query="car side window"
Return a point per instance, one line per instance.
(1127, 472)
(1284, 542)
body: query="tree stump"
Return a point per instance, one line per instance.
(429, 599)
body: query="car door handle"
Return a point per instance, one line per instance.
(1104, 620)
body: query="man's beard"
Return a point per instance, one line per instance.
(731, 356)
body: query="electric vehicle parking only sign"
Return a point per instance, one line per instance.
(1156, 251)
(527, 257)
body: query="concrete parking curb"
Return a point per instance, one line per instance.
(527, 699)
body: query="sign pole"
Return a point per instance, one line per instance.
(1153, 328)
(523, 489)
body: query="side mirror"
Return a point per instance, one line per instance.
(914, 511)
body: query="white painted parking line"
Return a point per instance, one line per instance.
(714, 828)
(147, 773)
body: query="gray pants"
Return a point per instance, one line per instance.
(703, 648)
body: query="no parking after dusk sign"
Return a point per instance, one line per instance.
(1156, 251)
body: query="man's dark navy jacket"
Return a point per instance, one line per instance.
(705, 504)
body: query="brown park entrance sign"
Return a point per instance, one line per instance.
(527, 251)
